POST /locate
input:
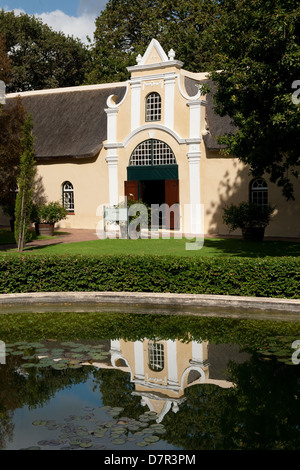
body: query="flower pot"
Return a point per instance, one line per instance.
(46, 229)
(253, 233)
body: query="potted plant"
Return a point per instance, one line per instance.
(144, 218)
(47, 215)
(250, 218)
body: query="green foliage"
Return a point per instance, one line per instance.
(40, 57)
(23, 206)
(246, 215)
(268, 277)
(12, 121)
(50, 213)
(125, 28)
(258, 55)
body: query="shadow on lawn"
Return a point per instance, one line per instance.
(251, 249)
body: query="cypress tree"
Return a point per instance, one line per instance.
(23, 206)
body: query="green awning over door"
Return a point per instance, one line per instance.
(152, 172)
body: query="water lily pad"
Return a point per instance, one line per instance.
(119, 441)
(133, 428)
(59, 366)
(28, 365)
(142, 444)
(160, 431)
(151, 439)
(40, 422)
(85, 445)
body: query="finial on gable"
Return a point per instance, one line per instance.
(154, 56)
(171, 54)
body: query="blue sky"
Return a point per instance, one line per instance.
(72, 17)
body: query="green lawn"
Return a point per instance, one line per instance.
(7, 237)
(212, 247)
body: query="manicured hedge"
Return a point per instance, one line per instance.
(260, 277)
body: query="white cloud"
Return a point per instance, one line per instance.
(79, 27)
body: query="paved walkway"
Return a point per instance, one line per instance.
(62, 236)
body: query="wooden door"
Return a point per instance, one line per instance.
(132, 190)
(171, 198)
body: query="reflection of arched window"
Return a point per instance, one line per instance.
(153, 107)
(68, 196)
(152, 152)
(259, 192)
(156, 356)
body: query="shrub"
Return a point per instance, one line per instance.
(51, 213)
(247, 215)
(267, 277)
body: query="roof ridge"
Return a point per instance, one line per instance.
(50, 91)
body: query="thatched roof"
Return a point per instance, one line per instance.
(217, 125)
(69, 124)
(72, 123)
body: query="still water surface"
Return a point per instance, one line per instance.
(197, 392)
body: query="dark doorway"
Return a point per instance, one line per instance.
(159, 192)
(153, 192)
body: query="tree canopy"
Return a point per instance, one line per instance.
(259, 53)
(12, 119)
(125, 28)
(40, 57)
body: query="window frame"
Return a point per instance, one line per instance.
(153, 107)
(70, 191)
(156, 356)
(261, 192)
(152, 152)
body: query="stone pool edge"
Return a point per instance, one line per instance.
(187, 303)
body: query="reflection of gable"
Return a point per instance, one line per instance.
(184, 365)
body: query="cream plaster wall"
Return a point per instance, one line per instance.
(90, 182)
(226, 180)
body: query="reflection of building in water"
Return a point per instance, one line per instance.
(162, 370)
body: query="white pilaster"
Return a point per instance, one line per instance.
(112, 160)
(197, 352)
(135, 104)
(172, 363)
(111, 125)
(169, 100)
(139, 360)
(194, 155)
(195, 222)
(195, 112)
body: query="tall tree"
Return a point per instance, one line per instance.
(25, 185)
(5, 61)
(40, 57)
(259, 52)
(12, 119)
(125, 28)
(5, 69)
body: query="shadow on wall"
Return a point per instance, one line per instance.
(39, 196)
(232, 188)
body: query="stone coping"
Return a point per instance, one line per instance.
(147, 302)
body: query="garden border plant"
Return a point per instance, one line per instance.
(254, 277)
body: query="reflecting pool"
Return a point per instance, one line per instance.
(163, 383)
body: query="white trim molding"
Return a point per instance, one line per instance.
(170, 80)
(112, 160)
(111, 124)
(135, 103)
